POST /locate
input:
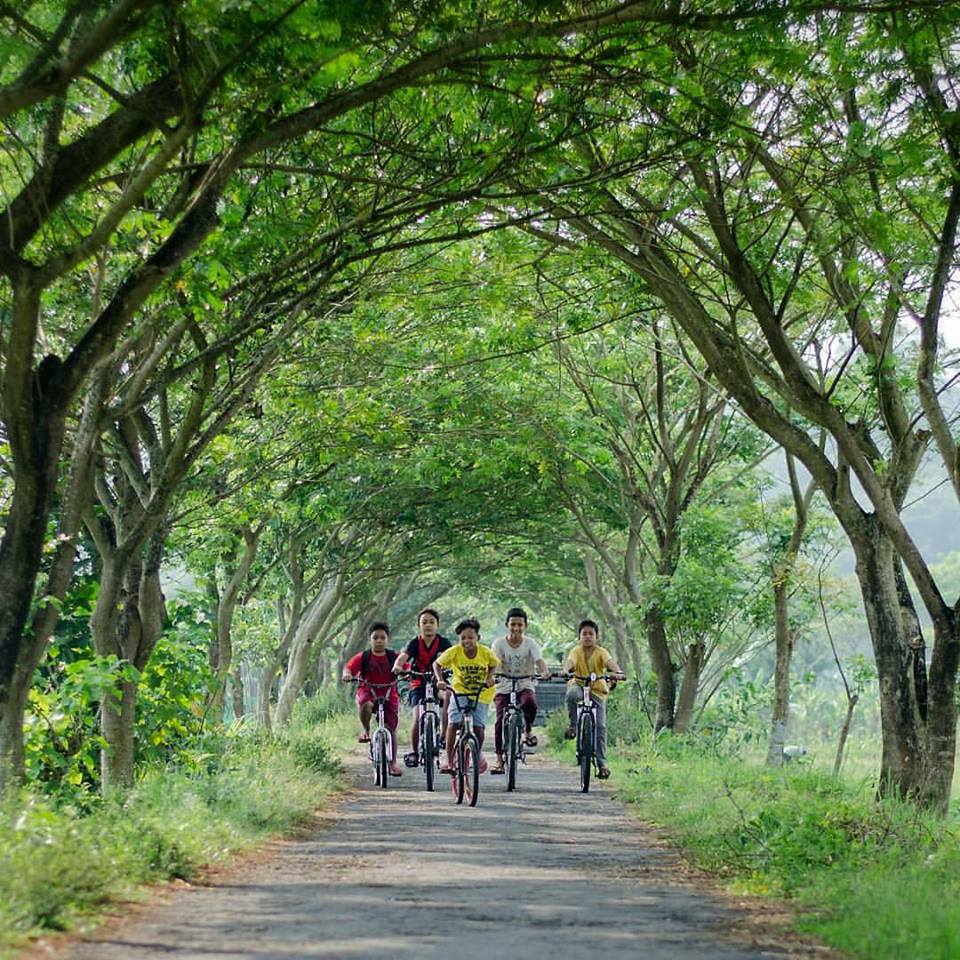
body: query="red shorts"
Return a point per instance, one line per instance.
(391, 708)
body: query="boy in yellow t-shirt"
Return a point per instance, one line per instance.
(583, 660)
(473, 666)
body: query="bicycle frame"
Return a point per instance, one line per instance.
(587, 707)
(381, 740)
(428, 754)
(515, 750)
(466, 775)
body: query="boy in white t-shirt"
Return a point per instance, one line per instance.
(519, 656)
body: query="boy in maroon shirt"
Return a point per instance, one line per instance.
(375, 665)
(420, 654)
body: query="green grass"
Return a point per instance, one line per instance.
(878, 880)
(59, 864)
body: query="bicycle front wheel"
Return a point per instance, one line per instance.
(460, 776)
(513, 750)
(471, 756)
(428, 744)
(380, 758)
(585, 750)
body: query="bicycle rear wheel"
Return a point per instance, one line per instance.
(585, 750)
(428, 744)
(380, 757)
(471, 757)
(513, 749)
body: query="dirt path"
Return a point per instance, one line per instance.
(541, 873)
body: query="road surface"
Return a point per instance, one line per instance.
(545, 873)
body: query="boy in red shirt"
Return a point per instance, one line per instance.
(375, 665)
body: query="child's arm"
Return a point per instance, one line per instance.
(347, 675)
(400, 663)
(541, 666)
(438, 673)
(490, 672)
(613, 667)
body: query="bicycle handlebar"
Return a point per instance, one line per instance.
(592, 678)
(371, 684)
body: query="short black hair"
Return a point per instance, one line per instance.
(378, 625)
(588, 623)
(516, 612)
(469, 624)
(433, 613)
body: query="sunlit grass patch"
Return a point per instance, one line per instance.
(58, 863)
(879, 880)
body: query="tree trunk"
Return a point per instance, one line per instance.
(126, 623)
(693, 668)
(222, 661)
(662, 667)
(118, 714)
(21, 552)
(902, 762)
(784, 638)
(315, 617)
(267, 677)
(237, 695)
(941, 707)
(844, 733)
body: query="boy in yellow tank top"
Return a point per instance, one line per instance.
(586, 658)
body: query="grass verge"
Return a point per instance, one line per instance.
(877, 880)
(59, 864)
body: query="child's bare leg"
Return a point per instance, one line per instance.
(415, 731)
(452, 729)
(366, 712)
(394, 766)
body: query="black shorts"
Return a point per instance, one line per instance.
(416, 695)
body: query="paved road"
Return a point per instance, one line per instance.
(545, 872)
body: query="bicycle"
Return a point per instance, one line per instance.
(429, 726)
(465, 779)
(586, 736)
(514, 745)
(381, 742)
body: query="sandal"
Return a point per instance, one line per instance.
(496, 769)
(603, 773)
(396, 773)
(411, 760)
(363, 738)
(446, 768)
(569, 733)
(530, 740)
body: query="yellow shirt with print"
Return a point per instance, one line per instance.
(583, 666)
(470, 672)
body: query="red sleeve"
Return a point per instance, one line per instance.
(354, 663)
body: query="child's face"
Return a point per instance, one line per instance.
(378, 641)
(588, 638)
(469, 638)
(515, 627)
(428, 626)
